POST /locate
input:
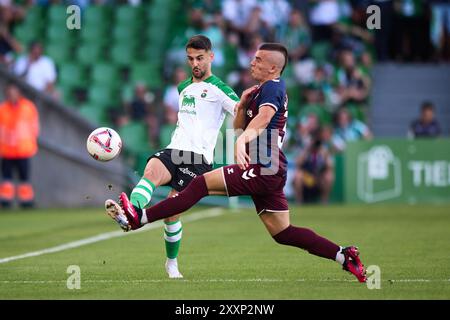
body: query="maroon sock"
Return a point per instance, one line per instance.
(308, 240)
(179, 203)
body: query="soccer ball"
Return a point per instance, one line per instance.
(104, 144)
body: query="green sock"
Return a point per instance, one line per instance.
(172, 236)
(142, 193)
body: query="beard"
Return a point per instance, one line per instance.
(201, 74)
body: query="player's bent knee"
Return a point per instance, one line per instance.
(171, 219)
(282, 237)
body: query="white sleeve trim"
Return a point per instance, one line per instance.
(268, 104)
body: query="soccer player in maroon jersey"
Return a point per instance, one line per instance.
(260, 169)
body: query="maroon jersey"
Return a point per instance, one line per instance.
(266, 150)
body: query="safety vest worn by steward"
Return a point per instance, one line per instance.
(19, 129)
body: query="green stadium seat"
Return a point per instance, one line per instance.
(105, 74)
(73, 75)
(124, 33)
(93, 113)
(56, 34)
(35, 15)
(95, 15)
(147, 73)
(320, 51)
(122, 55)
(128, 15)
(67, 94)
(89, 53)
(103, 96)
(58, 14)
(60, 54)
(93, 33)
(27, 33)
(135, 137)
(165, 134)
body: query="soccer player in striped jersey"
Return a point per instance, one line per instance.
(260, 170)
(203, 103)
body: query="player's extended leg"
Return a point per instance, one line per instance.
(211, 183)
(279, 227)
(173, 231)
(155, 174)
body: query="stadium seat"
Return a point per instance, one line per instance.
(128, 15)
(60, 53)
(124, 33)
(165, 134)
(26, 33)
(57, 14)
(72, 74)
(102, 96)
(96, 15)
(105, 74)
(56, 34)
(89, 54)
(122, 54)
(135, 137)
(147, 73)
(320, 51)
(93, 113)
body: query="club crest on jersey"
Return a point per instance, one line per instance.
(204, 93)
(250, 113)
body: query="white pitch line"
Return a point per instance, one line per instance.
(204, 214)
(208, 280)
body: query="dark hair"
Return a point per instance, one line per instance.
(272, 46)
(199, 42)
(427, 105)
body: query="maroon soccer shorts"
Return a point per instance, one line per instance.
(265, 190)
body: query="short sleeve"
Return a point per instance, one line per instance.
(271, 94)
(228, 98)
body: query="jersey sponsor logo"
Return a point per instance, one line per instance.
(188, 172)
(187, 103)
(247, 175)
(181, 182)
(250, 113)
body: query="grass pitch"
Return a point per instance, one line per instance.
(229, 256)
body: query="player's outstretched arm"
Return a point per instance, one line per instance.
(253, 130)
(239, 118)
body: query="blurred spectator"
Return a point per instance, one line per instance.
(245, 55)
(314, 175)
(426, 126)
(352, 84)
(323, 15)
(348, 129)
(244, 80)
(171, 96)
(306, 127)
(278, 21)
(141, 109)
(197, 25)
(440, 28)
(297, 38)
(237, 14)
(38, 70)
(10, 13)
(412, 37)
(19, 129)
(8, 46)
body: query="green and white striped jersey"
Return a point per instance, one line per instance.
(202, 107)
